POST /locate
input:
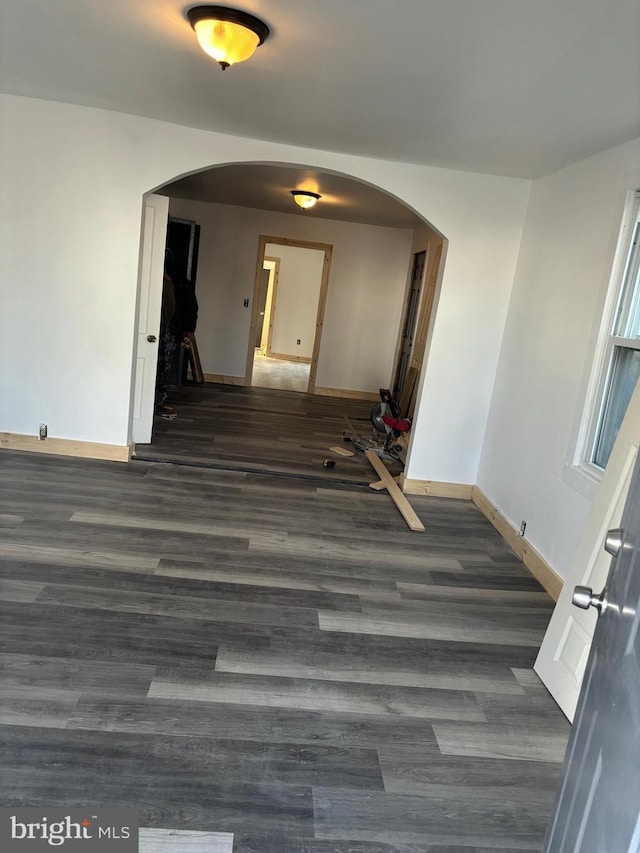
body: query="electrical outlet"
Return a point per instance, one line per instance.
(523, 527)
(42, 432)
(298, 341)
(246, 303)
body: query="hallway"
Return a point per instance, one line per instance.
(273, 657)
(279, 373)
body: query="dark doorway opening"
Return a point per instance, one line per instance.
(183, 239)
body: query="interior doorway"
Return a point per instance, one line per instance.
(290, 293)
(415, 324)
(409, 321)
(268, 286)
(368, 287)
(183, 242)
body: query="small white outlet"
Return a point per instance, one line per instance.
(523, 527)
(42, 432)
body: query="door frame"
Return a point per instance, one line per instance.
(431, 277)
(409, 322)
(271, 301)
(327, 248)
(153, 240)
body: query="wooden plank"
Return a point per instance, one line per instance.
(437, 489)
(407, 391)
(284, 357)
(66, 447)
(405, 508)
(342, 451)
(194, 362)
(346, 392)
(219, 379)
(379, 485)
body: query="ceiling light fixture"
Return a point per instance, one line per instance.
(304, 198)
(228, 35)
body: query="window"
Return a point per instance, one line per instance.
(619, 367)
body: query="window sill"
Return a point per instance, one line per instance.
(583, 480)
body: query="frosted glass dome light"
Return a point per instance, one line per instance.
(304, 198)
(227, 35)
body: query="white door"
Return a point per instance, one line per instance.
(598, 803)
(154, 235)
(563, 655)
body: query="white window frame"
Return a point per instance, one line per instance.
(581, 472)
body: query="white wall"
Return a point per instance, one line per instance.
(295, 310)
(560, 286)
(72, 182)
(368, 275)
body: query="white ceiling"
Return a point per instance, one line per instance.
(512, 87)
(269, 187)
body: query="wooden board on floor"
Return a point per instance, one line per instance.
(342, 451)
(194, 362)
(379, 485)
(406, 510)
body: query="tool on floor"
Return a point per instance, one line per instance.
(385, 417)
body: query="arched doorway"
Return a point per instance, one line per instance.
(376, 239)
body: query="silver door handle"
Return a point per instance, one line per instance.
(584, 598)
(152, 339)
(613, 541)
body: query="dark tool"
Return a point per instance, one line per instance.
(385, 417)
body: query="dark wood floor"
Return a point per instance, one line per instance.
(271, 656)
(261, 429)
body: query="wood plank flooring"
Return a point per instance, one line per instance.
(261, 429)
(273, 657)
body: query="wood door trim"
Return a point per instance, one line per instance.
(533, 560)
(272, 302)
(327, 248)
(322, 302)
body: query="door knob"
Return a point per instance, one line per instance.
(152, 339)
(613, 541)
(584, 598)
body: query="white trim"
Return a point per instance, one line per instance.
(579, 472)
(583, 479)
